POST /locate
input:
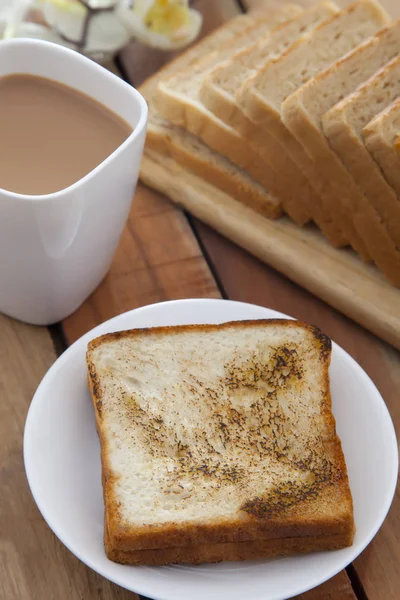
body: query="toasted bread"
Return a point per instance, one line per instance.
(217, 434)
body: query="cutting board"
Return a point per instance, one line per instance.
(338, 277)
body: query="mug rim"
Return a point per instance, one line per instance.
(88, 63)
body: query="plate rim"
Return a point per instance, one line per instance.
(99, 330)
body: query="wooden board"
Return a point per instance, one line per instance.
(337, 276)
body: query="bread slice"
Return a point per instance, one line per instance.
(191, 153)
(228, 551)
(343, 125)
(262, 96)
(379, 137)
(187, 149)
(218, 94)
(218, 434)
(178, 100)
(302, 113)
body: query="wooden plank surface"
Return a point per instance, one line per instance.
(34, 565)
(337, 588)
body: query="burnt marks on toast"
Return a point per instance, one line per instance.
(241, 419)
(282, 367)
(256, 385)
(325, 344)
(243, 425)
(287, 494)
(280, 499)
(153, 430)
(222, 472)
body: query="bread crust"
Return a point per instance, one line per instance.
(255, 522)
(215, 134)
(228, 551)
(380, 136)
(340, 128)
(377, 241)
(272, 151)
(214, 169)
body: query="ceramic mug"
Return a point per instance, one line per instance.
(56, 248)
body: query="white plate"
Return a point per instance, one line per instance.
(61, 452)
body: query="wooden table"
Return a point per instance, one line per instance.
(165, 254)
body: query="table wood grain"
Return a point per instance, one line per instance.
(163, 255)
(34, 565)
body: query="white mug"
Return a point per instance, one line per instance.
(56, 248)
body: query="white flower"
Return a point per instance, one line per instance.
(103, 26)
(103, 32)
(166, 24)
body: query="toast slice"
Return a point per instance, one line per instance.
(379, 137)
(178, 100)
(302, 113)
(228, 551)
(202, 450)
(218, 95)
(343, 125)
(263, 94)
(190, 151)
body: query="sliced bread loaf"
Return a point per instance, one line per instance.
(302, 113)
(218, 94)
(343, 125)
(220, 36)
(189, 150)
(262, 96)
(379, 136)
(178, 100)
